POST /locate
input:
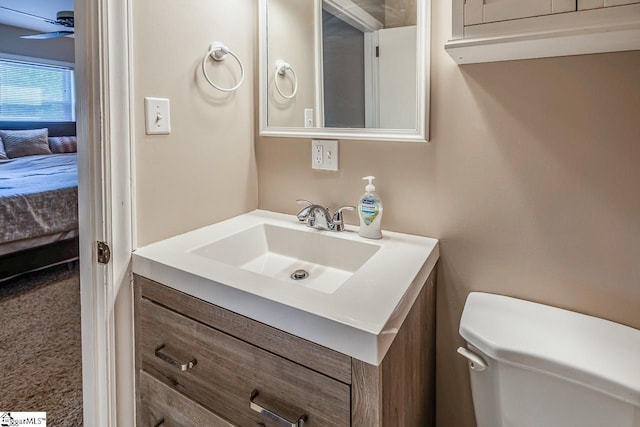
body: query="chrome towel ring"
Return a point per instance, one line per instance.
(218, 52)
(281, 69)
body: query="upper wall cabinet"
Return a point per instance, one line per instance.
(501, 30)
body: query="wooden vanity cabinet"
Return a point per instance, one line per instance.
(198, 364)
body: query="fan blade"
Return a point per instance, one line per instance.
(52, 35)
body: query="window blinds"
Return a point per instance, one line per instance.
(36, 92)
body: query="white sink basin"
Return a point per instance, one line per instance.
(355, 299)
(280, 252)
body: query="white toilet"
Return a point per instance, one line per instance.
(532, 365)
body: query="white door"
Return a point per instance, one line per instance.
(398, 78)
(105, 210)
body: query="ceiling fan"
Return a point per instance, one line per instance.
(64, 18)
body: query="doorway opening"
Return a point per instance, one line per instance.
(41, 354)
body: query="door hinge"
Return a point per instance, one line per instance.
(104, 253)
(377, 51)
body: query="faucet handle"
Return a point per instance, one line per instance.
(337, 217)
(344, 208)
(304, 213)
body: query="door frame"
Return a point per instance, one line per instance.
(106, 209)
(358, 18)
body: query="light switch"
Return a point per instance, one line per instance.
(324, 154)
(157, 117)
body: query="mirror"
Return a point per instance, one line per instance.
(344, 69)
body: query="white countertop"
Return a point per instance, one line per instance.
(359, 319)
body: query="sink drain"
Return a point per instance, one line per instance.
(299, 274)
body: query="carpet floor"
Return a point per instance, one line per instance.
(40, 345)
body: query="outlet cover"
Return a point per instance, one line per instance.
(324, 154)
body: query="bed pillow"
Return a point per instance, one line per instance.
(63, 144)
(19, 143)
(3, 154)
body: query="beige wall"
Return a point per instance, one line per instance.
(60, 49)
(400, 13)
(204, 171)
(291, 38)
(531, 181)
(392, 13)
(376, 8)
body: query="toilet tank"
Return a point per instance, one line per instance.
(533, 365)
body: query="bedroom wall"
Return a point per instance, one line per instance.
(204, 171)
(530, 181)
(60, 49)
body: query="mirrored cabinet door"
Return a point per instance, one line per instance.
(347, 69)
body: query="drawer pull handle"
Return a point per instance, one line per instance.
(161, 354)
(272, 415)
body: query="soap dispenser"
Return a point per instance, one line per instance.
(370, 211)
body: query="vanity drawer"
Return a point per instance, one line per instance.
(160, 405)
(321, 359)
(226, 372)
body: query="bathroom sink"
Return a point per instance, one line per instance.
(301, 257)
(355, 298)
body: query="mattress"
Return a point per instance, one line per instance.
(38, 197)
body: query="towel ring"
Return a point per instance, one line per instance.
(218, 52)
(281, 70)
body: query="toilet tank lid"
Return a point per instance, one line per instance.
(594, 352)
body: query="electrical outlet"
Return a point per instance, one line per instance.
(317, 154)
(324, 154)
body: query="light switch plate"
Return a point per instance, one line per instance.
(308, 117)
(324, 154)
(157, 117)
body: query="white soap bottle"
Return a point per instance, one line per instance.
(370, 211)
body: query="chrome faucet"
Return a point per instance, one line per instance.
(317, 216)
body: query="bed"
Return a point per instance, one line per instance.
(38, 206)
